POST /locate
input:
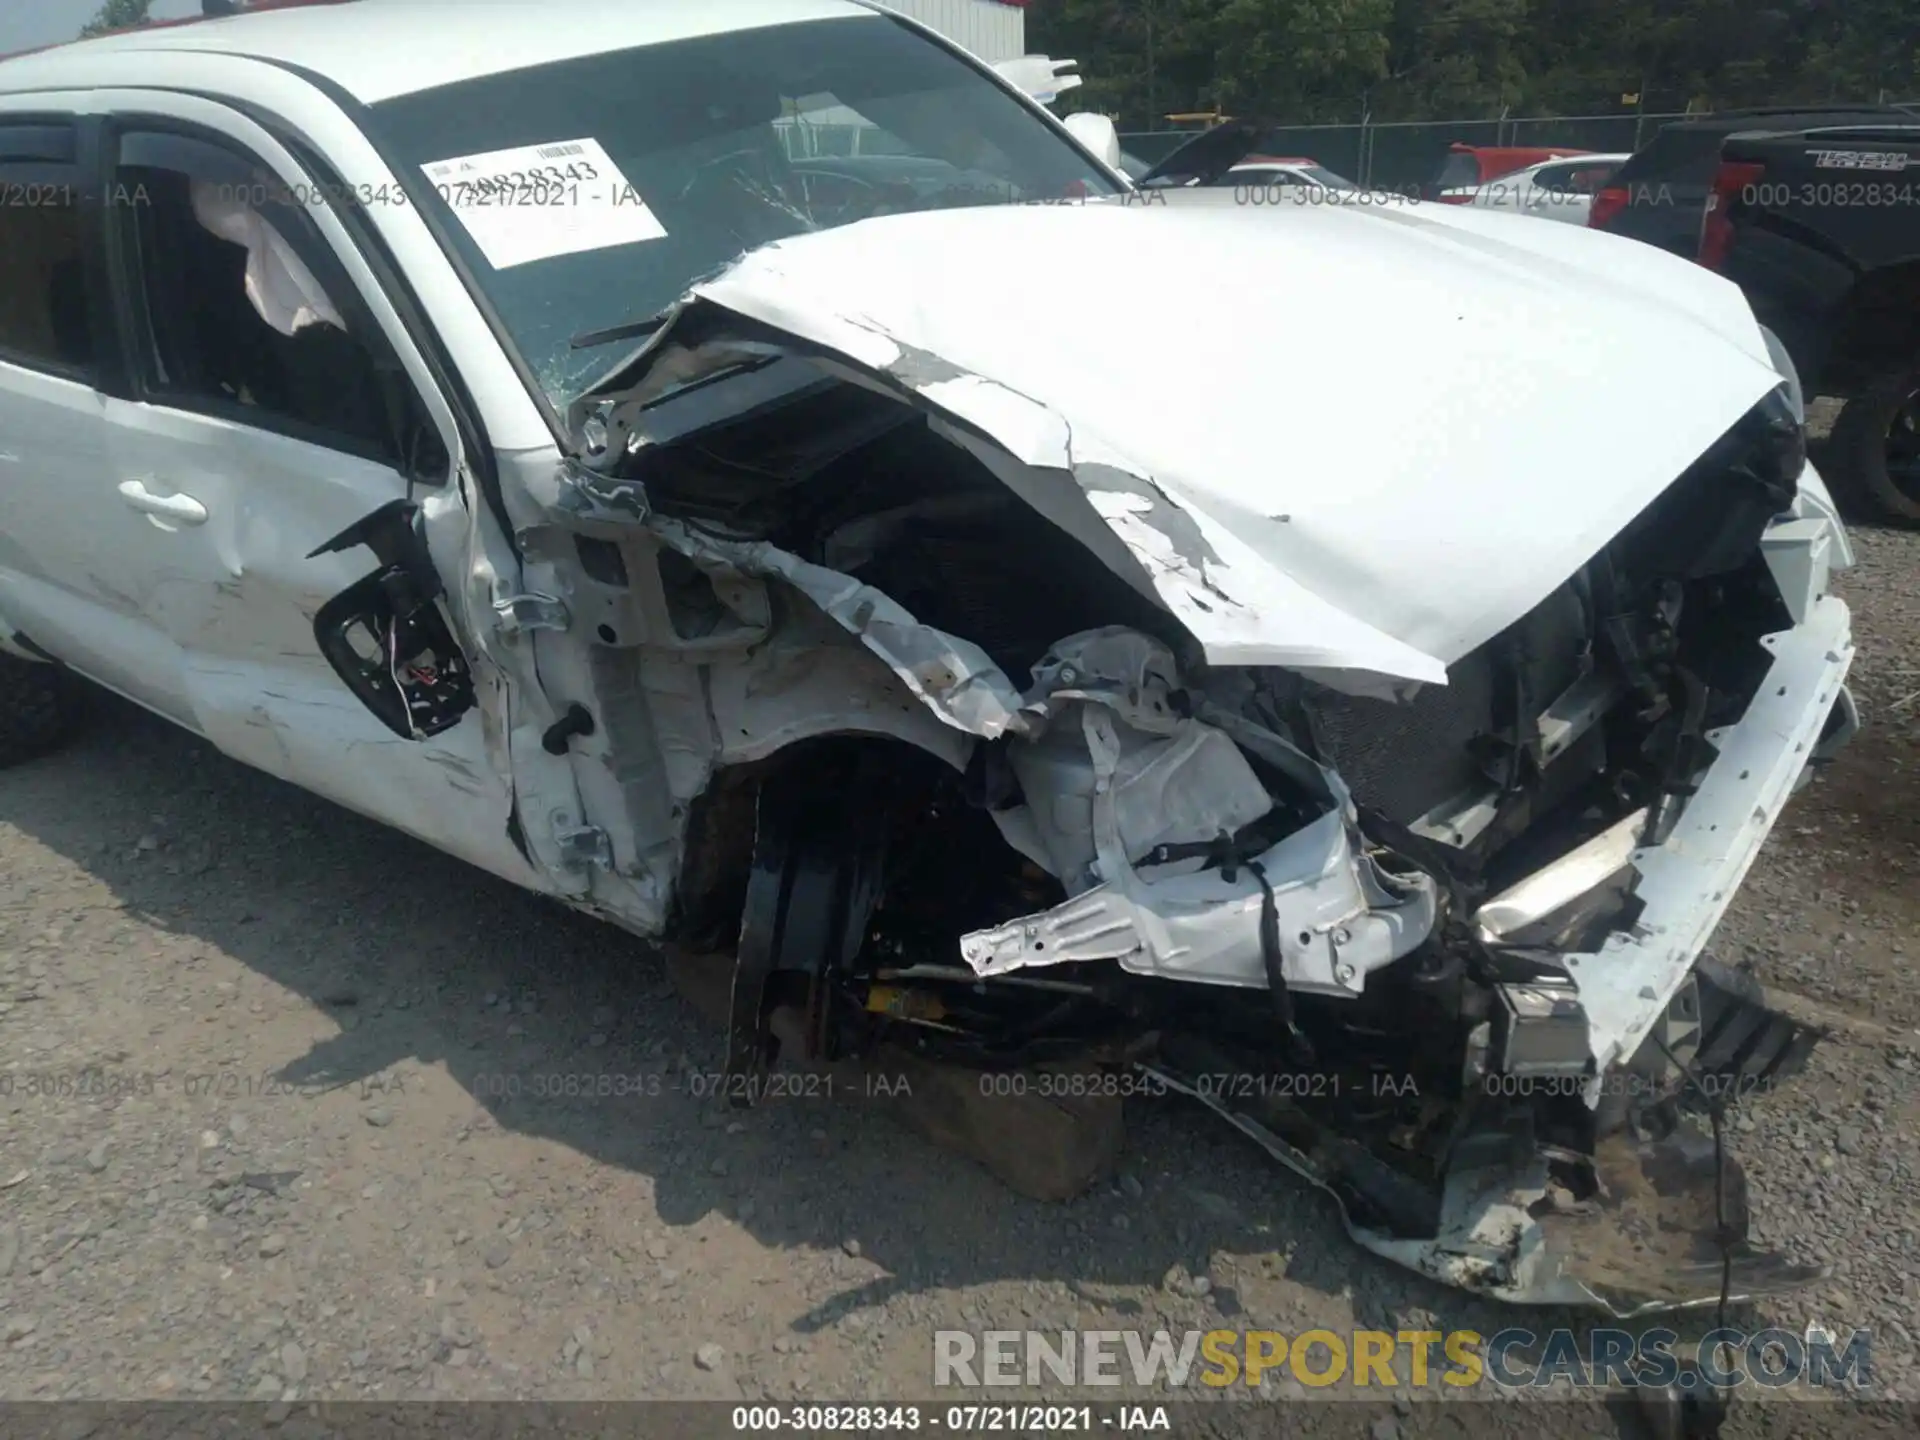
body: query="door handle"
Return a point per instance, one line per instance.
(181, 509)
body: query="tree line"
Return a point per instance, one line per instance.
(1327, 61)
(1324, 61)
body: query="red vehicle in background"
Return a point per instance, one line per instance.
(1467, 167)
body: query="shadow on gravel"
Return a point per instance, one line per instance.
(402, 946)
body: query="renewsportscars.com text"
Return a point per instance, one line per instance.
(1510, 1359)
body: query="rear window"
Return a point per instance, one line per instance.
(44, 319)
(1457, 172)
(1574, 178)
(43, 307)
(1327, 178)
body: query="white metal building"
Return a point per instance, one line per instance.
(995, 30)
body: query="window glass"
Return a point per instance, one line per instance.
(1458, 172)
(43, 297)
(238, 319)
(593, 191)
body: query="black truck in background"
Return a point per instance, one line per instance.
(1658, 194)
(1820, 228)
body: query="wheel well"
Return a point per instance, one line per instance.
(939, 845)
(1877, 328)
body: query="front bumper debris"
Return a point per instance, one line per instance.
(1635, 1227)
(1645, 1241)
(1687, 883)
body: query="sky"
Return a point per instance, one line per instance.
(27, 23)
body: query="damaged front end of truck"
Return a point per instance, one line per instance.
(956, 728)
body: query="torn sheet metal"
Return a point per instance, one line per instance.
(1435, 535)
(1341, 917)
(1113, 772)
(952, 677)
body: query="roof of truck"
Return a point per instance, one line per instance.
(1811, 114)
(377, 49)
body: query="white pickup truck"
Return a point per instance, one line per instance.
(923, 591)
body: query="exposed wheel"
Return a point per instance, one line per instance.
(1876, 449)
(39, 708)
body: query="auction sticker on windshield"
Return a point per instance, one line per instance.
(537, 201)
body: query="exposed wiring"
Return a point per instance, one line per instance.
(393, 673)
(1716, 1116)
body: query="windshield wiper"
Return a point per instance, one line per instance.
(627, 330)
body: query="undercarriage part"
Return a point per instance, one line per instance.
(1653, 1238)
(1048, 1139)
(1540, 1029)
(1694, 1413)
(40, 706)
(1330, 1130)
(815, 880)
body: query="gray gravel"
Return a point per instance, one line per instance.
(309, 1161)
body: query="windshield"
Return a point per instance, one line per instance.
(590, 193)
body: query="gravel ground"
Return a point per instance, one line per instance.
(308, 1182)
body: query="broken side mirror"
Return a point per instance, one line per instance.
(386, 636)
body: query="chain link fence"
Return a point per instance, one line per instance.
(1398, 154)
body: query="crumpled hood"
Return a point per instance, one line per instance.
(1333, 438)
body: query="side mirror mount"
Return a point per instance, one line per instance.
(1096, 132)
(419, 454)
(386, 636)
